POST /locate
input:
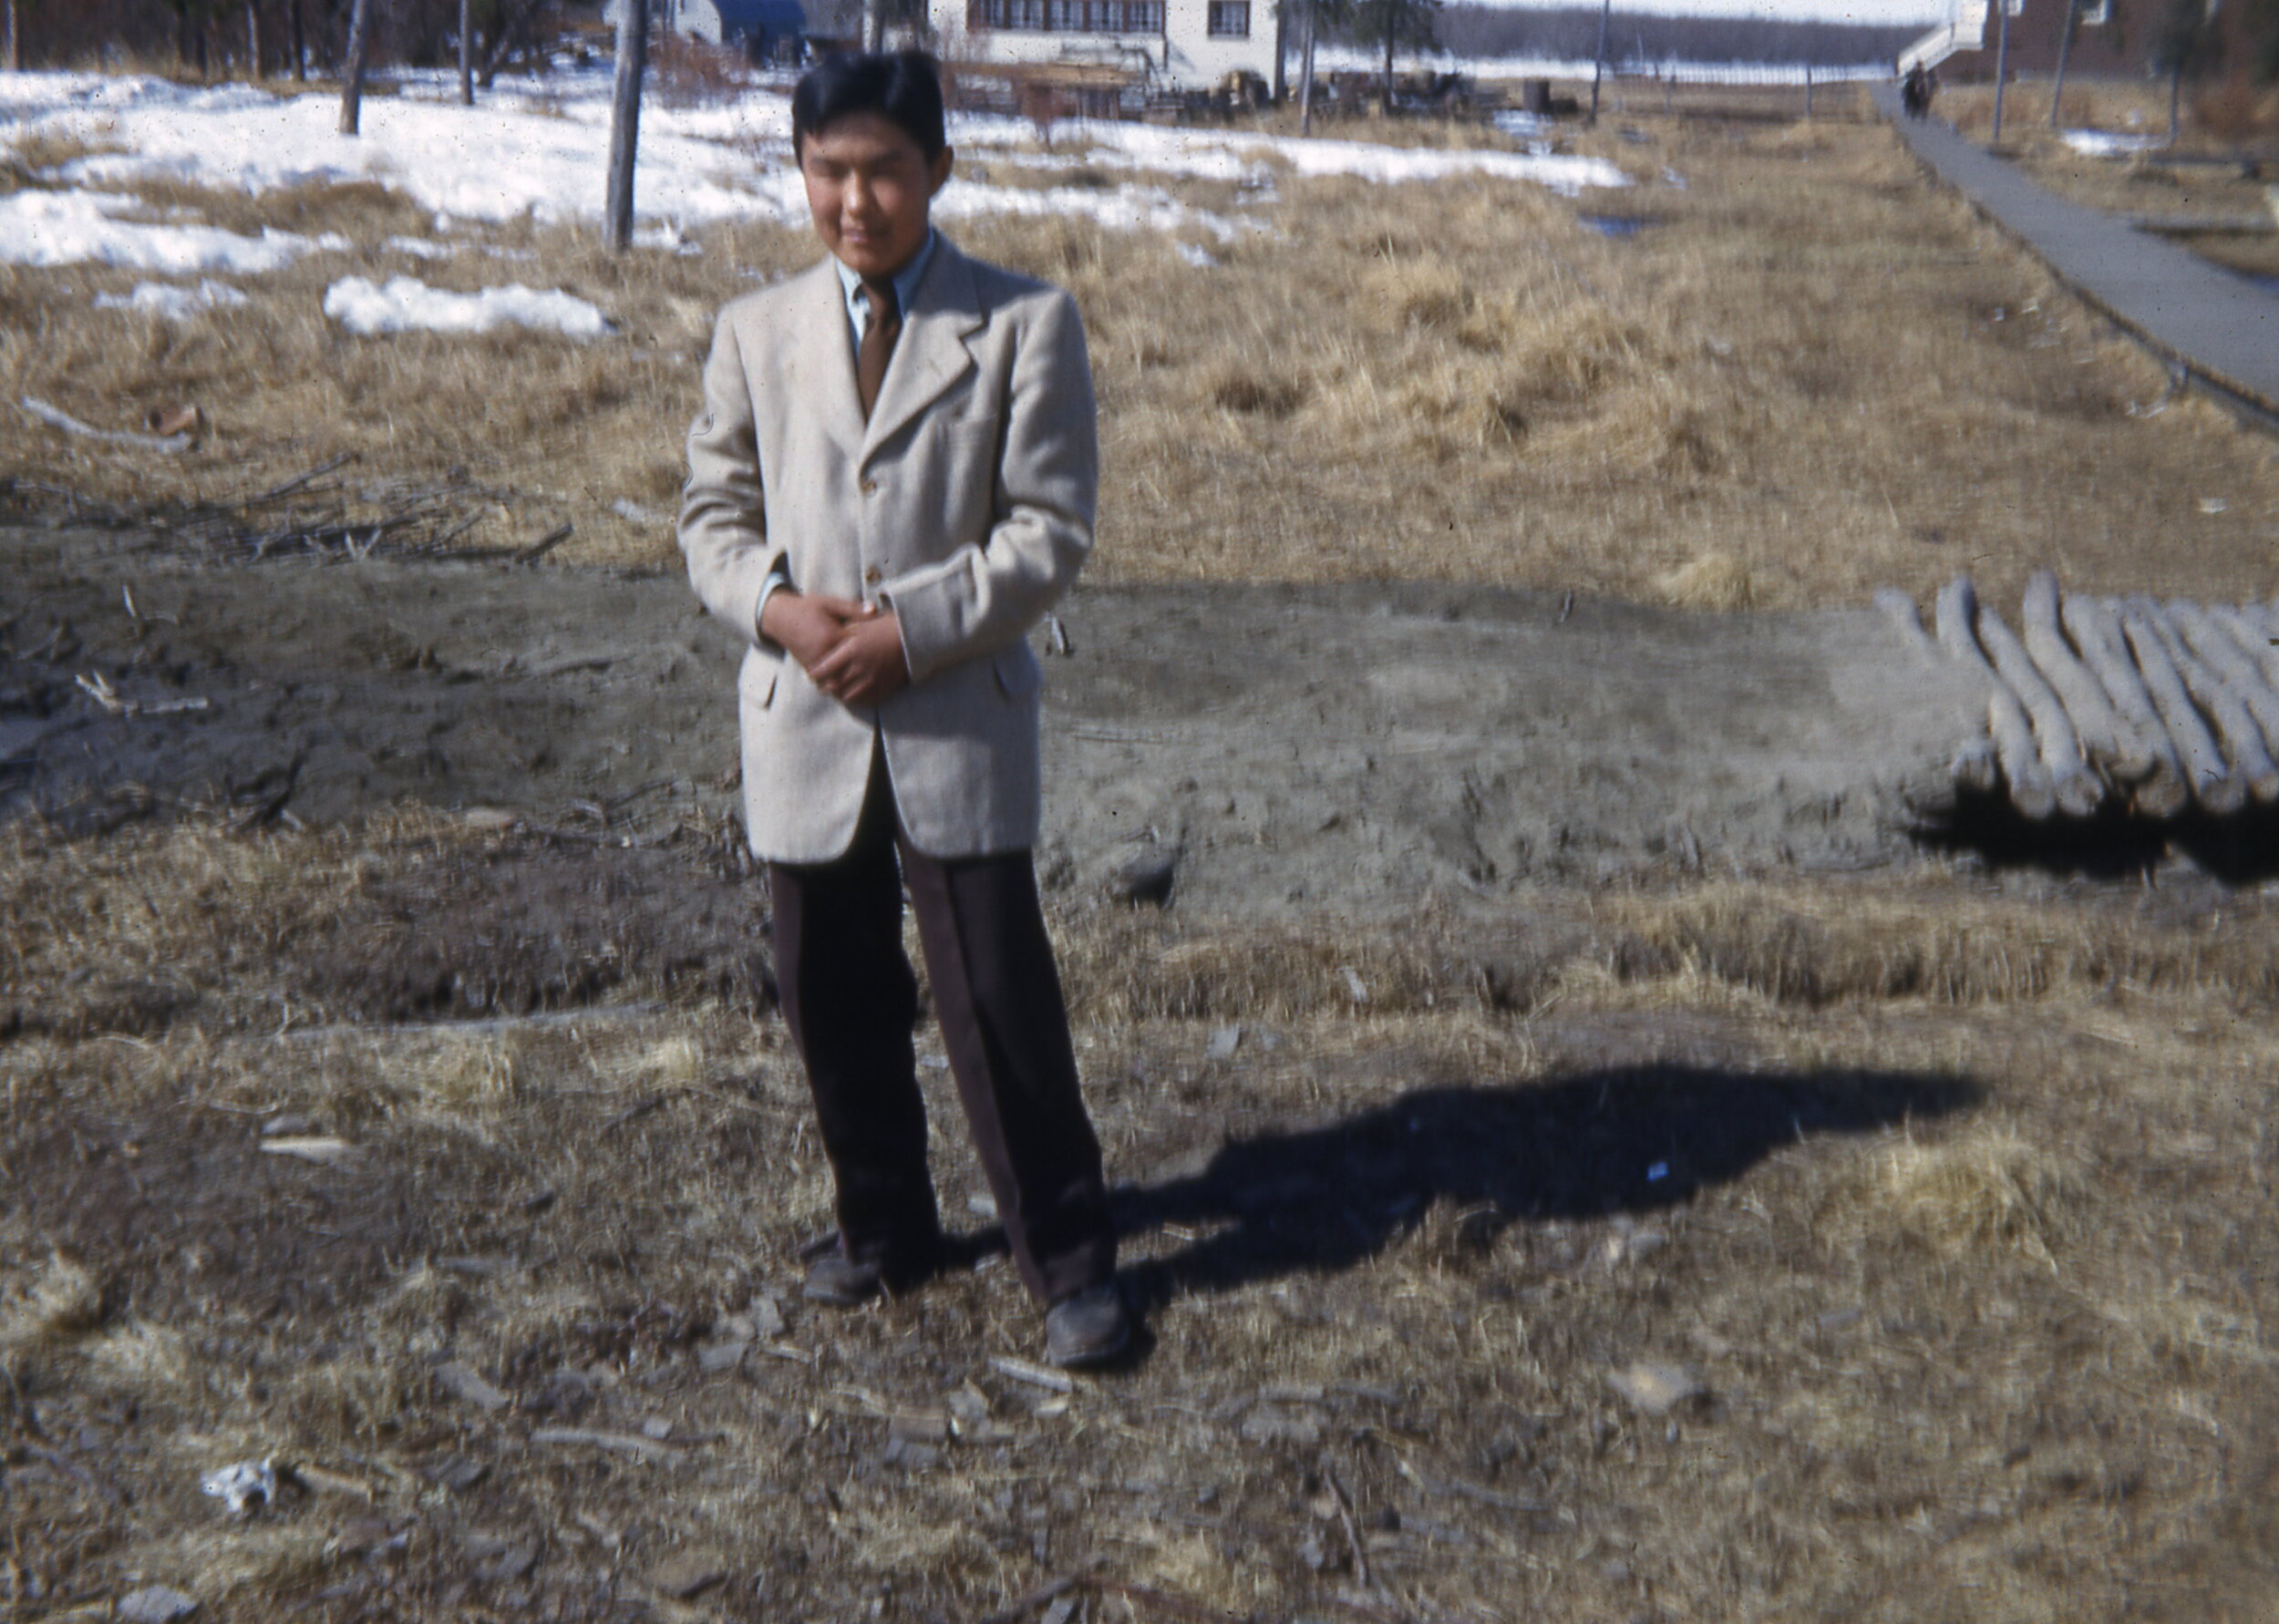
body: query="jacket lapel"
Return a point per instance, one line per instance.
(931, 355)
(822, 348)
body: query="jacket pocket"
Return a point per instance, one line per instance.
(1018, 671)
(756, 681)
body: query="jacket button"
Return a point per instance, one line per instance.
(869, 488)
(873, 575)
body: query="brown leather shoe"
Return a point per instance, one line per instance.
(1089, 1327)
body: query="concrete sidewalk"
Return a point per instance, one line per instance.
(2218, 326)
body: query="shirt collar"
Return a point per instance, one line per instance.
(906, 281)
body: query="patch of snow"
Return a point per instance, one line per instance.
(403, 304)
(63, 228)
(1195, 254)
(2104, 143)
(541, 152)
(171, 303)
(420, 248)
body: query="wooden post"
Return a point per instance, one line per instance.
(252, 40)
(2031, 791)
(467, 53)
(2001, 66)
(2213, 646)
(1306, 72)
(15, 38)
(352, 71)
(1598, 57)
(300, 41)
(1808, 90)
(2213, 785)
(1974, 767)
(2162, 792)
(2109, 742)
(624, 123)
(2247, 760)
(2076, 789)
(2065, 50)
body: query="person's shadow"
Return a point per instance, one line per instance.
(1633, 1139)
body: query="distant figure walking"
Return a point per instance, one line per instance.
(1915, 91)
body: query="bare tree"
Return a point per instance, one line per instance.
(466, 52)
(300, 41)
(624, 123)
(15, 38)
(252, 39)
(352, 71)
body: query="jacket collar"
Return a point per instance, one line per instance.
(931, 355)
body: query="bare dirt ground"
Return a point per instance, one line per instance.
(1625, 1224)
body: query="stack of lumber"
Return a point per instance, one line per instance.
(2151, 706)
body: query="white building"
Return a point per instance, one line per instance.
(1177, 45)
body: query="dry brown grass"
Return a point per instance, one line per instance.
(1812, 367)
(1969, 1237)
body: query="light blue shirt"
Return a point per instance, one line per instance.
(905, 284)
(906, 281)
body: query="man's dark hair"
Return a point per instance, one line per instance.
(904, 88)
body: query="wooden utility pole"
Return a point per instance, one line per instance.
(1305, 71)
(352, 71)
(2064, 50)
(1598, 57)
(2001, 66)
(252, 40)
(624, 122)
(467, 53)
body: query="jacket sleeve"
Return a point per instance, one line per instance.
(983, 597)
(723, 525)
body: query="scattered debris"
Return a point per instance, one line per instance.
(244, 1487)
(1223, 1043)
(98, 688)
(1655, 1388)
(323, 1148)
(545, 543)
(499, 1561)
(1270, 1424)
(168, 422)
(456, 1473)
(57, 418)
(1035, 1375)
(632, 1444)
(688, 1575)
(723, 1357)
(463, 1383)
(156, 1604)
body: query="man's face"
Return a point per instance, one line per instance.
(869, 186)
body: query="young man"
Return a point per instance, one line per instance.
(892, 480)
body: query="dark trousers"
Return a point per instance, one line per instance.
(851, 1000)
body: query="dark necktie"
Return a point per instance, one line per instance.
(879, 334)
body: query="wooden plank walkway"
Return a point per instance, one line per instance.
(2218, 326)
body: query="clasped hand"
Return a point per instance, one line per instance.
(848, 649)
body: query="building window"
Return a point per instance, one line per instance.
(2097, 13)
(1067, 16)
(1230, 19)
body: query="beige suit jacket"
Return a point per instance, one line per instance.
(965, 506)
